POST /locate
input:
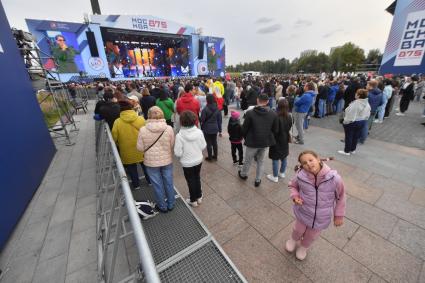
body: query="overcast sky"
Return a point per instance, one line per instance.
(264, 30)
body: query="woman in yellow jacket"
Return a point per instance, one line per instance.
(125, 132)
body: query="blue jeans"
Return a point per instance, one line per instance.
(366, 127)
(322, 108)
(162, 182)
(339, 105)
(275, 164)
(272, 103)
(381, 109)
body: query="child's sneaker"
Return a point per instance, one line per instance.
(301, 253)
(290, 245)
(192, 204)
(199, 200)
(282, 175)
(272, 178)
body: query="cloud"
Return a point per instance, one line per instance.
(264, 20)
(270, 29)
(329, 34)
(302, 23)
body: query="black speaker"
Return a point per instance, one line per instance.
(92, 44)
(201, 50)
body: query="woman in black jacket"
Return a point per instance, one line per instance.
(280, 150)
(211, 125)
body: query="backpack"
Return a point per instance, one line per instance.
(145, 209)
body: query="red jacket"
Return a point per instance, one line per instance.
(219, 101)
(188, 102)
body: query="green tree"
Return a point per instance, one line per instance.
(374, 56)
(346, 58)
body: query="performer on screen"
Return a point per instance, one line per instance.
(64, 55)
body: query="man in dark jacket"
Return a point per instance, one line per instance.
(259, 127)
(108, 109)
(375, 100)
(407, 92)
(350, 92)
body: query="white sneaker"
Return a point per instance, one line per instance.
(353, 152)
(423, 116)
(193, 204)
(199, 200)
(282, 175)
(400, 114)
(272, 178)
(376, 121)
(290, 245)
(301, 253)
(343, 152)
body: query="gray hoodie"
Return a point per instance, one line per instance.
(358, 110)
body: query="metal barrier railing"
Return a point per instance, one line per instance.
(113, 194)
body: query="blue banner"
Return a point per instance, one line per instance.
(26, 148)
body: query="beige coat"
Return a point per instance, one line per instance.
(160, 154)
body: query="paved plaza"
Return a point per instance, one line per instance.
(382, 239)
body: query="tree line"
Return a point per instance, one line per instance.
(346, 58)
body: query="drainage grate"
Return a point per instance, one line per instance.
(206, 264)
(170, 233)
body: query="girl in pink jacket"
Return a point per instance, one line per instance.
(318, 195)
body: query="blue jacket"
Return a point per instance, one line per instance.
(375, 99)
(302, 103)
(332, 92)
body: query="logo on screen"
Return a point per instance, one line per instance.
(202, 68)
(96, 63)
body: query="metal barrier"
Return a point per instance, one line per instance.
(172, 247)
(114, 192)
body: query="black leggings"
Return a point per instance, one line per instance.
(238, 147)
(212, 146)
(193, 180)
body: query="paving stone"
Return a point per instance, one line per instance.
(372, 218)
(226, 186)
(258, 261)
(85, 218)
(228, 228)
(418, 197)
(46, 199)
(213, 210)
(339, 236)
(403, 208)
(86, 274)
(21, 269)
(42, 214)
(376, 279)
(84, 201)
(422, 275)
(245, 200)
(339, 267)
(32, 239)
(64, 209)
(287, 206)
(87, 186)
(82, 250)
(267, 218)
(56, 241)
(52, 270)
(385, 259)
(279, 195)
(410, 238)
(389, 186)
(362, 191)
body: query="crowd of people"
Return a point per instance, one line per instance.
(153, 120)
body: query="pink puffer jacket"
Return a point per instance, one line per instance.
(161, 153)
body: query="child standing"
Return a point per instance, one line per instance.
(318, 194)
(189, 144)
(234, 129)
